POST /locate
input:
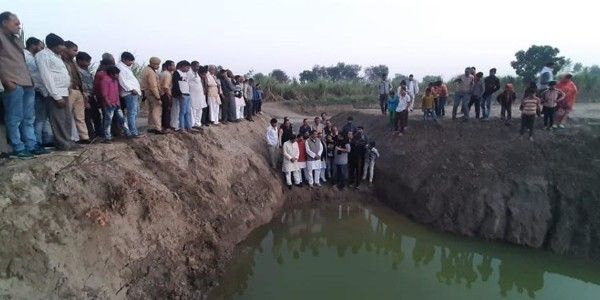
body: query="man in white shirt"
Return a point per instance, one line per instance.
(404, 102)
(273, 143)
(412, 88)
(290, 166)
(314, 150)
(130, 91)
(43, 130)
(56, 79)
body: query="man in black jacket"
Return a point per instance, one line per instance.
(492, 85)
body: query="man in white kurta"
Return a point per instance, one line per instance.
(197, 94)
(214, 101)
(291, 153)
(314, 150)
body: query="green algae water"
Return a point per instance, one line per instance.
(352, 251)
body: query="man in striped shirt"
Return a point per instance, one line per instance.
(529, 107)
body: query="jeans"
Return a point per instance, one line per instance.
(486, 106)
(93, 118)
(505, 111)
(43, 130)
(428, 114)
(249, 110)
(383, 102)
(19, 110)
(185, 112)
(341, 172)
(109, 113)
(369, 168)
(475, 101)
(548, 116)
(461, 99)
(401, 120)
(257, 106)
(440, 108)
(392, 117)
(133, 107)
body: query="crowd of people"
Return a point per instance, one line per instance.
(320, 152)
(552, 99)
(52, 101)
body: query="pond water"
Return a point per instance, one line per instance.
(353, 251)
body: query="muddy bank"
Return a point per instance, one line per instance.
(155, 217)
(481, 179)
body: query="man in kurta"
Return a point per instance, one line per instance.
(314, 150)
(290, 166)
(149, 84)
(77, 101)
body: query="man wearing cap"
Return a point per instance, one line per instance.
(56, 80)
(151, 91)
(19, 94)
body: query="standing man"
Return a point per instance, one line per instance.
(19, 93)
(546, 76)
(463, 94)
(57, 81)
(43, 131)
(567, 86)
(412, 88)
(314, 151)
(212, 95)
(273, 143)
(492, 85)
(93, 118)
(77, 102)
(150, 87)
(477, 93)
(166, 96)
(290, 166)
(248, 92)
(384, 90)
(227, 88)
(130, 90)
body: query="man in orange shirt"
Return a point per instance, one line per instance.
(567, 86)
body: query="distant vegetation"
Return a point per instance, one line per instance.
(345, 84)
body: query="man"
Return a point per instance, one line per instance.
(150, 88)
(93, 117)
(166, 96)
(291, 153)
(477, 93)
(318, 126)
(213, 97)
(43, 131)
(130, 90)
(272, 143)
(57, 81)
(442, 93)
(77, 101)
(412, 88)
(546, 76)
(357, 155)
(492, 85)
(567, 86)
(314, 151)
(248, 92)
(384, 90)
(304, 128)
(181, 95)
(349, 127)
(228, 99)
(19, 93)
(341, 150)
(463, 94)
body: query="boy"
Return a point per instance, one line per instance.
(111, 104)
(427, 105)
(392, 104)
(529, 108)
(506, 99)
(372, 156)
(404, 101)
(257, 98)
(550, 99)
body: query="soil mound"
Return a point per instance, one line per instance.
(481, 179)
(154, 218)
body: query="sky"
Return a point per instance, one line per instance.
(420, 37)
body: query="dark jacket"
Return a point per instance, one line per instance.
(506, 98)
(227, 86)
(492, 85)
(175, 91)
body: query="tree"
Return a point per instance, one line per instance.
(529, 63)
(431, 78)
(374, 73)
(578, 67)
(279, 75)
(259, 76)
(308, 76)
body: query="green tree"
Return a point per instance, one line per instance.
(529, 63)
(308, 76)
(259, 76)
(279, 75)
(374, 73)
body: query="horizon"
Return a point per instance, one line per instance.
(293, 36)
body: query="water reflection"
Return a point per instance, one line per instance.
(361, 233)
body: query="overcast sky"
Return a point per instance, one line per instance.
(419, 36)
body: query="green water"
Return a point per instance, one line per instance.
(353, 251)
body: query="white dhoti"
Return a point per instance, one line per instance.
(213, 109)
(175, 114)
(239, 108)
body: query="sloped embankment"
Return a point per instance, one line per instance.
(152, 218)
(480, 179)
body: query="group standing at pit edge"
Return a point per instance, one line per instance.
(53, 102)
(554, 100)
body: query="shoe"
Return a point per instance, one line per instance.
(318, 185)
(84, 142)
(531, 138)
(561, 126)
(290, 186)
(40, 151)
(106, 141)
(23, 154)
(554, 126)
